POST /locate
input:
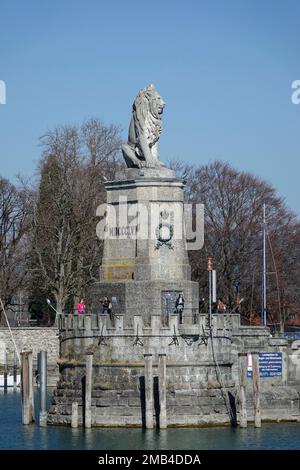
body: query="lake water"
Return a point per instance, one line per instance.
(13, 435)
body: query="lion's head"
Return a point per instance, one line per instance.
(147, 111)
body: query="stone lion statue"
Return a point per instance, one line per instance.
(145, 128)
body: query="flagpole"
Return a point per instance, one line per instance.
(264, 283)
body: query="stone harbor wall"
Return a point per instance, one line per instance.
(202, 375)
(35, 339)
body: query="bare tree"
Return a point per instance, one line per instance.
(101, 144)
(14, 227)
(66, 251)
(233, 233)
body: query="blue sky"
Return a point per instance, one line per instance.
(224, 68)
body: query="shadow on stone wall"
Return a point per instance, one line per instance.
(156, 401)
(232, 404)
(143, 400)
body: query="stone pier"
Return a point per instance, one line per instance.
(193, 394)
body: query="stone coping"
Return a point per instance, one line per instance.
(34, 328)
(112, 185)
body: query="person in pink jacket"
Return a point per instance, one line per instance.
(81, 307)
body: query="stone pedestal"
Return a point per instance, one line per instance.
(145, 262)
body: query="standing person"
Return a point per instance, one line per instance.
(180, 306)
(221, 306)
(106, 305)
(107, 308)
(214, 307)
(81, 307)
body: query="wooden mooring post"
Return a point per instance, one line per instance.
(27, 387)
(256, 389)
(242, 389)
(162, 376)
(43, 387)
(5, 371)
(88, 391)
(15, 370)
(74, 418)
(148, 391)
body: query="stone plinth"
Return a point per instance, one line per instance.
(145, 262)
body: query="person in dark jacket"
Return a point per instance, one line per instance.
(107, 308)
(180, 307)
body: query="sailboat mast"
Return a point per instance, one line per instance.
(264, 280)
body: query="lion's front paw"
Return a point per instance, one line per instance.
(150, 164)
